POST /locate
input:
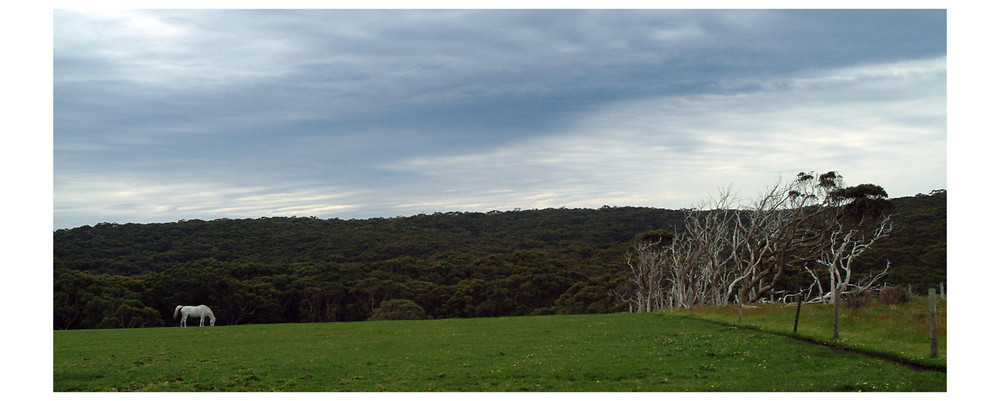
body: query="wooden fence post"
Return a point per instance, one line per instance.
(836, 312)
(942, 290)
(932, 319)
(797, 309)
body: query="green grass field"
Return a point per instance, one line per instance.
(619, 352)
(899, 331)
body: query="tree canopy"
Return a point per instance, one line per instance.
(303, 269)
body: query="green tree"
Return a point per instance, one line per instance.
(398, 309)
(132, 314)
(592, 296)
(251, 302)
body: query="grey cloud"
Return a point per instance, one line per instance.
(693, 144)
(331, 98)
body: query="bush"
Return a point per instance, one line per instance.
(893, 296)
(859, 299)
(398, 309)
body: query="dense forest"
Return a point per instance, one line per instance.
(273, 270)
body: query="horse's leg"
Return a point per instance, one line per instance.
(201, 321)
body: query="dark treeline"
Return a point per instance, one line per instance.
(274, 270)
(917, 247)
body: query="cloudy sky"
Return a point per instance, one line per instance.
(171, 114)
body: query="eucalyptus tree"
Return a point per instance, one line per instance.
(863, 218)
(646, 259)
(701, 256)
(742, 253)
(782, 229)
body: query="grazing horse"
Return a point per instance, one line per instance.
(199, 311)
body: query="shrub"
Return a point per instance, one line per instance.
(893, 296)
(398, 309)
(859, 299)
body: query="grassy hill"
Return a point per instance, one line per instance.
(616, 352)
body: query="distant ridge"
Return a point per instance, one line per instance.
(458, 264)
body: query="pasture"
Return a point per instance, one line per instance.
(616, 352)
(895, 331)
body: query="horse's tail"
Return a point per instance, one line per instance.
(177, 310)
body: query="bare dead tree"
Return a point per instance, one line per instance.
(740, 254)
(701, 259)
(785, 227)
(647, 261)
(837, 259)
(683, 256)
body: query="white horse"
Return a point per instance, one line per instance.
(199, 311)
